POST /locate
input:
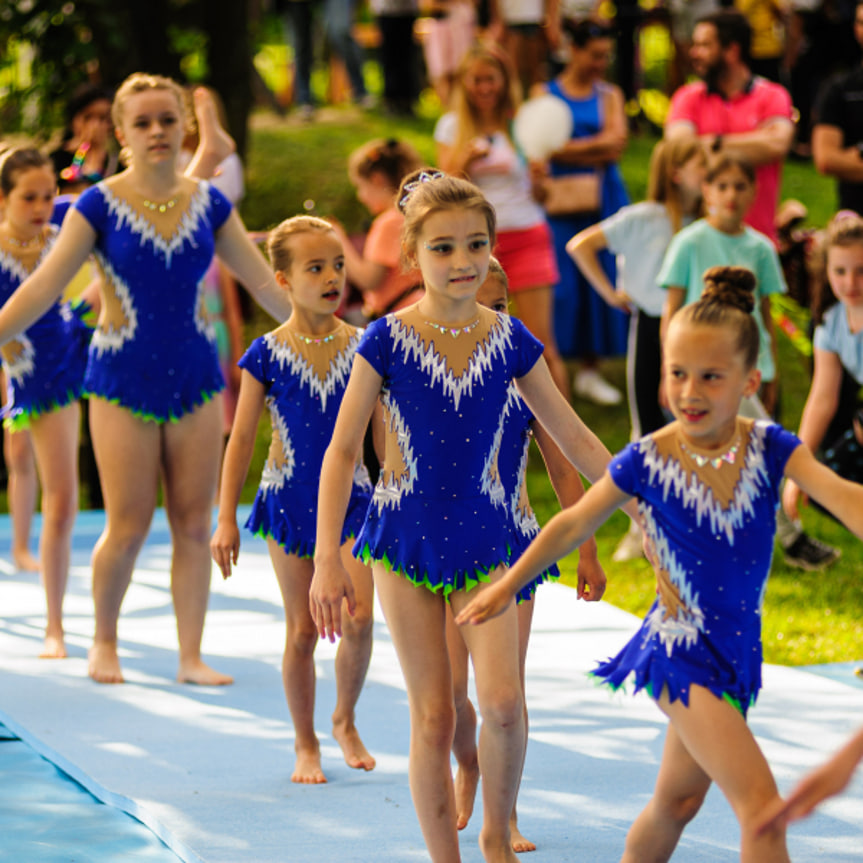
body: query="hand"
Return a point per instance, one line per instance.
(791, 495)
(622, 301)
(591, 578)
(490, 601)
(225, 547)
(331, 585)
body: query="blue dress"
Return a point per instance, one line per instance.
(513, 458)
(584, 324)
(438, 514)
(713, 529)
(154, 350)
(45, 364)
(305, 379)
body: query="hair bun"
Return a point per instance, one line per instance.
(730, 286)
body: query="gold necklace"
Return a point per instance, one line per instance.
(161, 208)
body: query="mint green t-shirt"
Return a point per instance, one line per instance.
(700, 246)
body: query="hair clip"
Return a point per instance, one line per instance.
(424, 177)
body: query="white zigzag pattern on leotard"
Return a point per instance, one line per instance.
(434, 364)
(274, 477)
(337, 373)
(203, 323)
(524, 520)
(391, 493)
(22, 366)
(673, 478)
(143, 228)
(489, 484)
(112, 339)
(13, 266)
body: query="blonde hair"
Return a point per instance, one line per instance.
(728, 300)
(667, 157)
(430, 191)
(279, 245)
(496, 271)
(467, 119)
(391, 158)
(845, 229)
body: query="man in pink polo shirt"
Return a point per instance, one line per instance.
(731, 110)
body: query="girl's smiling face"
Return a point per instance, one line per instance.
(845, 273)
(705, 380)
(453, 250)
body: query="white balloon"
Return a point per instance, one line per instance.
(541, 126)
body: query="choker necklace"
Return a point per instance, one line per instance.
(161, 208)
(728, 457)
(310, 340)
(453, 331)
(24, 244)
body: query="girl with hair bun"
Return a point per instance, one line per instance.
(436, 531)
(707, 487)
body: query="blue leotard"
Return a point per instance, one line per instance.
(305, 379)
(438, 512)
(154, 351)
(712, 522)
(45, 364)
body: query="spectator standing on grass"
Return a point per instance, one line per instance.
(399, 53)
(837, 136)
(735, 112)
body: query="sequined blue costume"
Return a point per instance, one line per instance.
(154, 350)
(513, 458)
(304, 378)
(712, 523)
(438, 512)
(45, 364)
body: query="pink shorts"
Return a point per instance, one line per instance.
(527, 257)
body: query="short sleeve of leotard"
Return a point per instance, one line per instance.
(624, 469)
(779, 445)
(256, 362)
(92, 207)
(220, 206)
(528, 348)
(374, 347)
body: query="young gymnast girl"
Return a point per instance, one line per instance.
(152, 371)
(519, 428)
(299, 371)
(44, 367)
(436, 526)
(707, 487)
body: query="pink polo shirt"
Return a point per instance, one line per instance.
(711, 114)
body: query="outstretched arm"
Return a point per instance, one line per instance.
(331, 583)
(42, 288)
(566, 531)
(823, 782)
(250, 268)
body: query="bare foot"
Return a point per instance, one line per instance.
(307, 770)
(54, 648)
(519, 844)
(25, 561)
(355, 752)
(213, 139)
(466, 781)
(104, 664)
(496, 851)
(200, 673)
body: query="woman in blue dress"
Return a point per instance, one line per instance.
(707, 487)
(152, 373)
(586, 327)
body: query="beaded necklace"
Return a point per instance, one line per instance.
(453, 331)
(727, 457)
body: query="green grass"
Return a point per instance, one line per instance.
(809, 618)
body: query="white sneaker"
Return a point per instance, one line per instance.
(631, 547)
(590, 385)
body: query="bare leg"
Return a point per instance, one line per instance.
(190, 468)
(415, 618)
(294, 575)
(533, 307)
(127, 455)
(352, 663)
(698, 746)
(23, 488)
(464, 742)
(55, 439)
(214, 143)
(494, 651)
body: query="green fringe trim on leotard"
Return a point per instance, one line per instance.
(23, 419)
(479, 576)
(205, 398)
(300, 549)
